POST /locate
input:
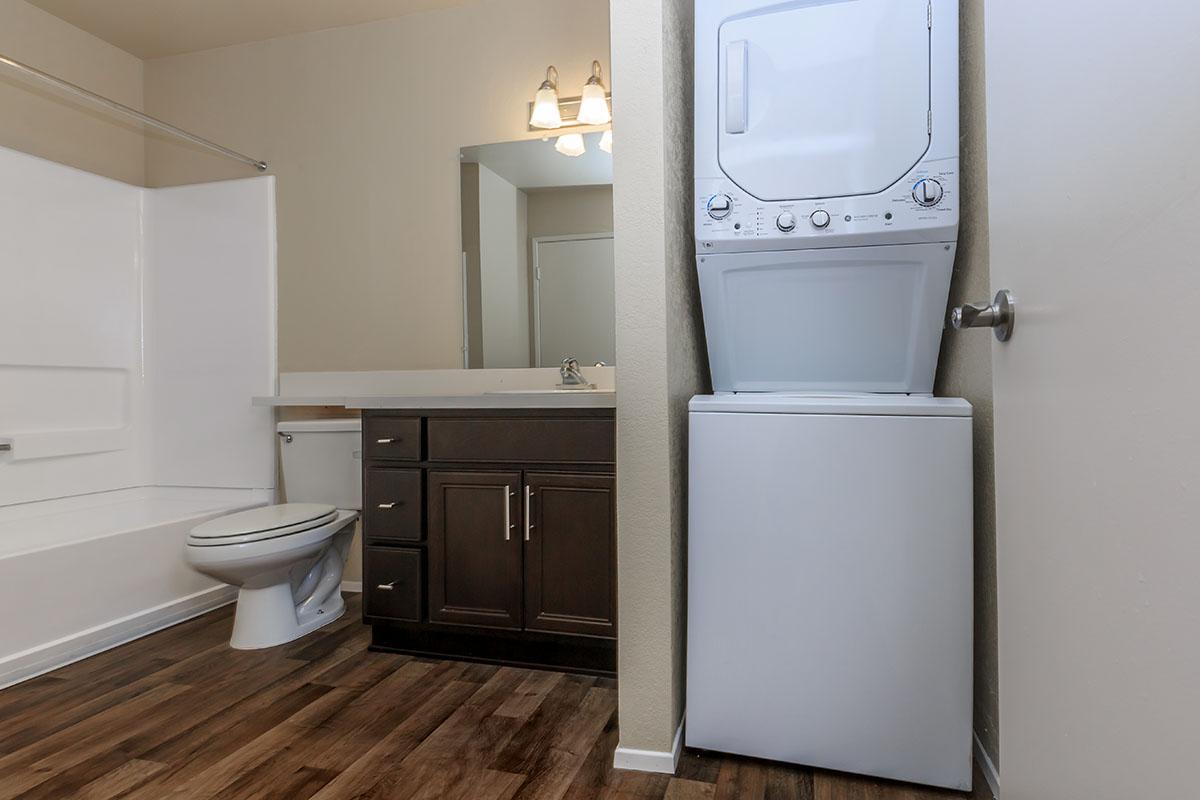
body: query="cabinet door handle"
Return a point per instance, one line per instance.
(507, 513)
(387, 505)
(387, 441)
(387, 587)
(528, 516)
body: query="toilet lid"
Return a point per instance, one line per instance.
(278, 520)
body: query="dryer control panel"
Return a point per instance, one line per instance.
(921, 207)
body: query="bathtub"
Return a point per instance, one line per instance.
(82, 574)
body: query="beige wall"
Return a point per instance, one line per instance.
(561, 212)
(48, 124)
(660, 353)
(362, 125)
(965, 368)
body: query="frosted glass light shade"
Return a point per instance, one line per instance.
(545, 109)
(571, 144)
(606, 141)
(593, 107)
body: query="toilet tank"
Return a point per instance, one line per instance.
(322, 461)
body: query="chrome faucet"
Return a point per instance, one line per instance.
(571, 374)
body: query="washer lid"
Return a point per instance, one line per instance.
(823, 99)
(278, 520)
(858, 404)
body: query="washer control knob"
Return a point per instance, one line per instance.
(786, 222)
(820, 218)
(720, 206)
(927, 192)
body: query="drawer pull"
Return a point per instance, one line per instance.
(386, 587)
(392, 504)
(390, 440)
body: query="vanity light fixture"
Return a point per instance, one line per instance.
(571, 144)
(593, 105)
(606, 141)
(593, 108)
(545, 112)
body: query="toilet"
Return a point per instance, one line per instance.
(287, 559)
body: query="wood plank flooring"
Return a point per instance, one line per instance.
(180, 715)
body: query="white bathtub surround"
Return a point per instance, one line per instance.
(137, 325)
(443, 388)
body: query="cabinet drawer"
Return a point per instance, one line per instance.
(539, 441)
(397, 438)
(392, 586)
(392, 504)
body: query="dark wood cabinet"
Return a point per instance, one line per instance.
(392, 504)
(570, 553)
(475, 548)
(491, 536)
(392, 583)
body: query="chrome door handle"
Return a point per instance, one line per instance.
(387, 587)
(386, 441)
(528, 522)
(387, 505)
(1000, 316)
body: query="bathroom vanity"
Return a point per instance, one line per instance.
(489, 534)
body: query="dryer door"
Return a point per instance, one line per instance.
(823, 98)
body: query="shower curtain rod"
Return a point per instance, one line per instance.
(113, 105)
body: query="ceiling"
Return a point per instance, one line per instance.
(534, 164)
(158, 28)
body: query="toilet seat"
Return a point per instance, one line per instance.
(258, 524)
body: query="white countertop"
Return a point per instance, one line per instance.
(445, 388)
(485, 400)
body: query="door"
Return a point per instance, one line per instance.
(475, 548)
(570, 553)
(574, 299)
(839, 88)
(1093, 169)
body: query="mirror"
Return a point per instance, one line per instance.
(537, 249)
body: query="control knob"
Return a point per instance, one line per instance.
(927, 192)
(819, 218)
(786, 222)
(720, 206)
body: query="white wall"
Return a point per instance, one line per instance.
(70, 331)
(210, 332)
(137, 326)
(503, 272)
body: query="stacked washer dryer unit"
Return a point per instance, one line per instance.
(830, 536)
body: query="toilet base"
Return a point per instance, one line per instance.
(267, 617)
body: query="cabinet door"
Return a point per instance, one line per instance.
(570, 553)
(475, 548)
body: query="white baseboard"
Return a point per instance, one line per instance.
(651, 760)
(69, 649)
(351, 586)
(990, 773)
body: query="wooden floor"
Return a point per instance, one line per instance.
(180, 715)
